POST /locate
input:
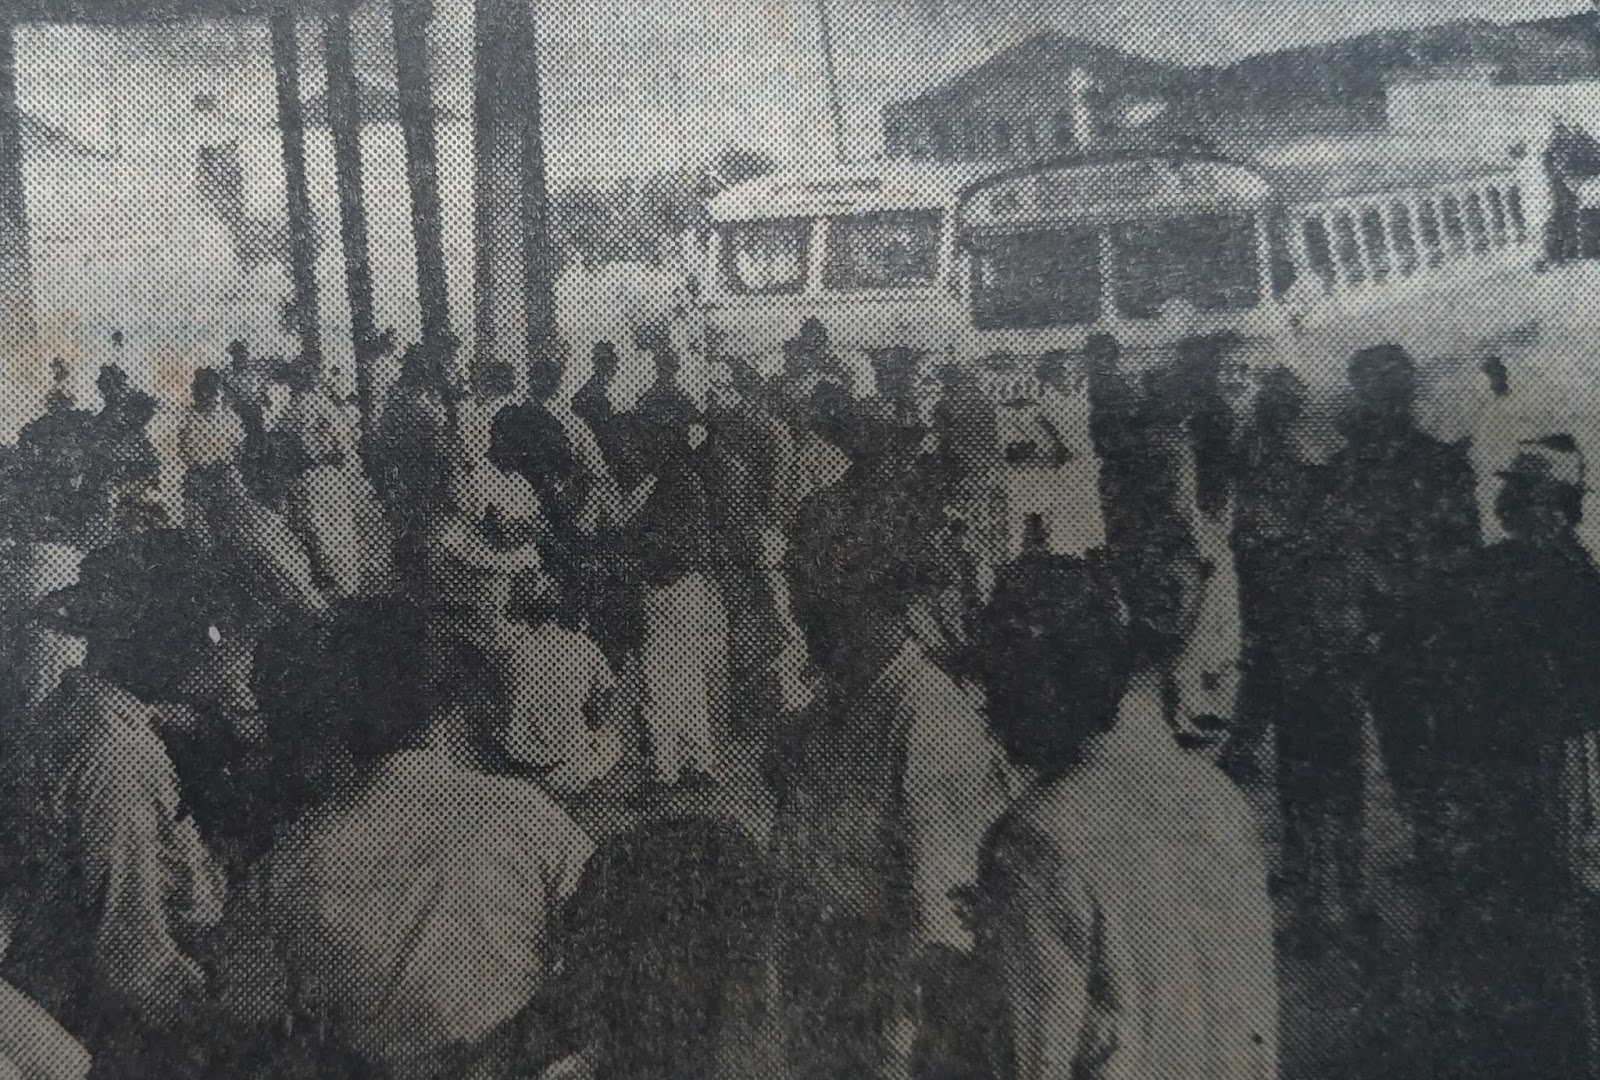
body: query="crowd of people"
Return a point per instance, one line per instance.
(746, 731)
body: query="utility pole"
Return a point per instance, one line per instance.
(835, 103)
(344, 126)
(302, 238)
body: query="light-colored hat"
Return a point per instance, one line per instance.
(1551, 459)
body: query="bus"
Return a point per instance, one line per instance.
(1304, 254)
(870, 253)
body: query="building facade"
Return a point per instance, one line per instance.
(1048, 96)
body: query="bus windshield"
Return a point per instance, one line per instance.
(1209, 263)
(893, 250)
(1033, 280)
(766, 257)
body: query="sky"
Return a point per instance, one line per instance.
(634, 85)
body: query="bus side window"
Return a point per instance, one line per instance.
(1519, 224)
(1348, 247)
(1405, 238)
(1284, 271)
(1376, 243)
(1319, 249)
(1497, 216)
(1477, 226)
(1454, 227)
(1432, 238)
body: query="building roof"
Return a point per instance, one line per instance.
(881, 186)
(1319, 170)
(1097, 192)
(1046, 58)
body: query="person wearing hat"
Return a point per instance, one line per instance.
(1497, 760)
(115, 886)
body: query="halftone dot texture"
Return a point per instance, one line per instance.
(725, 690)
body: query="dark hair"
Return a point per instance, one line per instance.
(604, 356)
(1499, 376)
(375, 673)
(1054, 656)
(1519, 497)
(1384, 377)
(669, 942)
(544, 379)
(1152, 578)
(207, 385)
(1101, 351)
(1052, 366)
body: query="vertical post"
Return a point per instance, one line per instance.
(302, 238)
(16, 270)
(835, 102)
(514, 313)
(499, 329)
(539, 255)
(344, 124)
(414, 77)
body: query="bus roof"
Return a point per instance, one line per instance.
(1110, 191)
(1321, 170)
(885, 186)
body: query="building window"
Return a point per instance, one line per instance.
(1319, 250)
(1455, 227)
(1376, 242)
(1405, 238)
(1432, 234)
(1519, 224)
(1284, 270)
(1497, 216)
(1348, 248)
(1477, 224)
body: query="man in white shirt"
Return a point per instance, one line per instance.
(410, 920)
(895, 788)
(1123, 901)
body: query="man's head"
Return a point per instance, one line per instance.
(112, 384)
(1055, 664)
(1163, 583)
(206, 388)
(1280, 400)
(1542, 489)
(1494, 370)
(605, 360)
(1054, 369)
(1383, 380)
(1101, 354)
(400, 687)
